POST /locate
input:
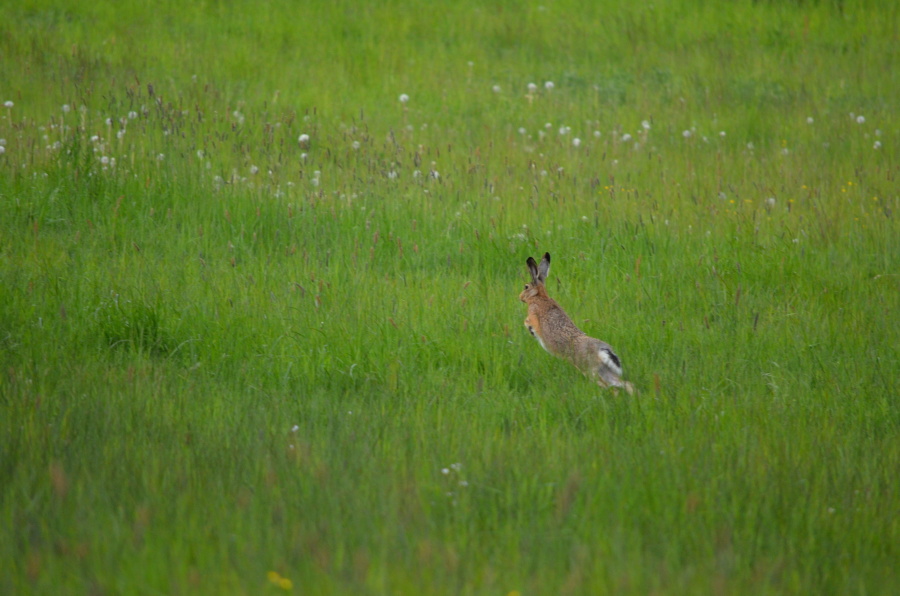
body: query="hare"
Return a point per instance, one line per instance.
(557, 334)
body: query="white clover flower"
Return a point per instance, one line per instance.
(548, 126)
(302, 157)
(416, 173)
(445, 471)
(315, 182)
(721, 133)
(295, 428)
(161, 157)
(576, 142)
(303, 140)
(686, 134)
(200, 154)
(522, 130)
(109, 121)
(104, 160)
(392, 175)
(645, 124)
(496, 88)
(254, 169)
(597, 134)
(120, 133)
(809, 120)
(549, 85)
(877, 145)
(95, 138)
(66, 108)
(404, 98)
(435, 174)
(355, 144)
(860, 119)
(8, 104)
(564, 130)
(770, 201)
(132, 115)
(456, 467)
(584, 218)
(2, 149)
(532, 87)
(626, 137)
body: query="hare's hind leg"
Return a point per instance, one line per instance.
(616, 385)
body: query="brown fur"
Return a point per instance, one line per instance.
(557, 334)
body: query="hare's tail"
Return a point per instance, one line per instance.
(609, 359)
(610, 369)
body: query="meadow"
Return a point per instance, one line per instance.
(259, 318)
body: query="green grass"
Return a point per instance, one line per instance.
(226, 355)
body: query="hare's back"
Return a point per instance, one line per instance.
(557, 319)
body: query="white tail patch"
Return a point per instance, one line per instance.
(611, 361)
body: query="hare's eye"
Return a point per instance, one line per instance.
(526, 286)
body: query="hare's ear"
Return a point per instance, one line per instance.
(533, 268)
(544, 267)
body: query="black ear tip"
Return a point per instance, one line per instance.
(547, 256)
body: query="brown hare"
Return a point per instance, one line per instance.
(557, 334)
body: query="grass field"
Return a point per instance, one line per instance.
(259, 326)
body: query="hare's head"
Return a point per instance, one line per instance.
(538, 275)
